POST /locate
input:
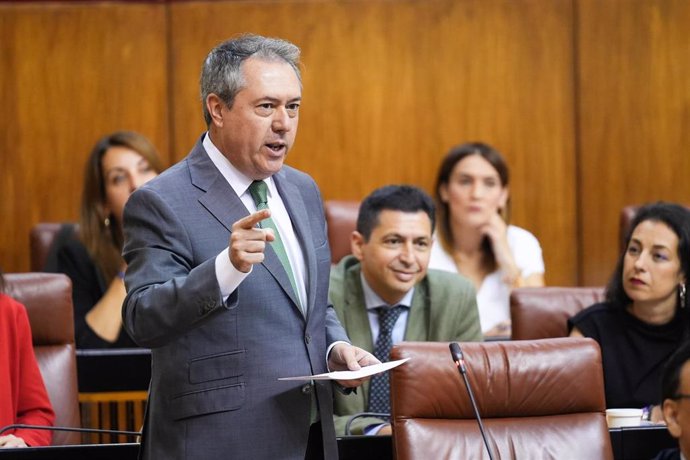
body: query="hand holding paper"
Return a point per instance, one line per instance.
(346, 357)
(366, 371)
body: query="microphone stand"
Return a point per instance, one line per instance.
(456, 353)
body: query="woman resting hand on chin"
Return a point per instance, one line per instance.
(473, 237)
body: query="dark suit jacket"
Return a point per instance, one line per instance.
(444, 309)
(214, 390)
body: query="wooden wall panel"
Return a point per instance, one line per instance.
(69, 74)
(634, 116)
(390, 86)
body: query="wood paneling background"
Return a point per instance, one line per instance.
(69, 74)
(585, 98)
(634, 112)
(390, 86)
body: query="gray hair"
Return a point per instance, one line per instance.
(221, 73)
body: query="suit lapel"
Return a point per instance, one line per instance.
(356, 319)
(417, 329)
(220, 199)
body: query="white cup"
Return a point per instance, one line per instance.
(623, 417)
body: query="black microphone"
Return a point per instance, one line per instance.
(456, 353)
(67, 428)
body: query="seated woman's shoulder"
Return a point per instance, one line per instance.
(10, 309)
(518, 233)
(596, 310)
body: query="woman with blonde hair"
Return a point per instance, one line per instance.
(118, 164)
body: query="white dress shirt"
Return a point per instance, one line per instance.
(229, 278)
(372, 301)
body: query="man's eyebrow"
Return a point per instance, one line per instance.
(276, 99)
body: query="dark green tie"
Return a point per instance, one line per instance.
(259, 191)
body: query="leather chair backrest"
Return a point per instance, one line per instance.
(42, 240)
(538, 399)
(627, 215)
(341, 218)
(543, 312)
(48, 301)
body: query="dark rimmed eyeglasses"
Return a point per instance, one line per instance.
(681, 396)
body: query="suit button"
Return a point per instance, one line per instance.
(306, 388)
(307, 339)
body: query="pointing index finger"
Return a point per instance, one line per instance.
(251, 220)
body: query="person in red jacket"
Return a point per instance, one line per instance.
(23, 396)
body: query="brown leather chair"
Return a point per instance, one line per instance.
(48, 301)
(543, 312)
(41, 243)
(341, 218)
(538, 399)
(627, 215)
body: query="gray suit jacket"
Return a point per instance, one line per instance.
(444, 309)
(214, 391)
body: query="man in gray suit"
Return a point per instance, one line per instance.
(227, 276)
(384, 294)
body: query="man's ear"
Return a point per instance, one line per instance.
(356, 244)
(670, 411)
(214, 105)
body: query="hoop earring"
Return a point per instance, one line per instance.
(681, 294)
(106, 222)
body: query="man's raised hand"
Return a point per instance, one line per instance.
(248, 242)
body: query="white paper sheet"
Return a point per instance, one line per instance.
(351, 375)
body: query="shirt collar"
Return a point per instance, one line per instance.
(238, 181)
(372, 301)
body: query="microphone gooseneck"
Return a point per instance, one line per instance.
(459, 359)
